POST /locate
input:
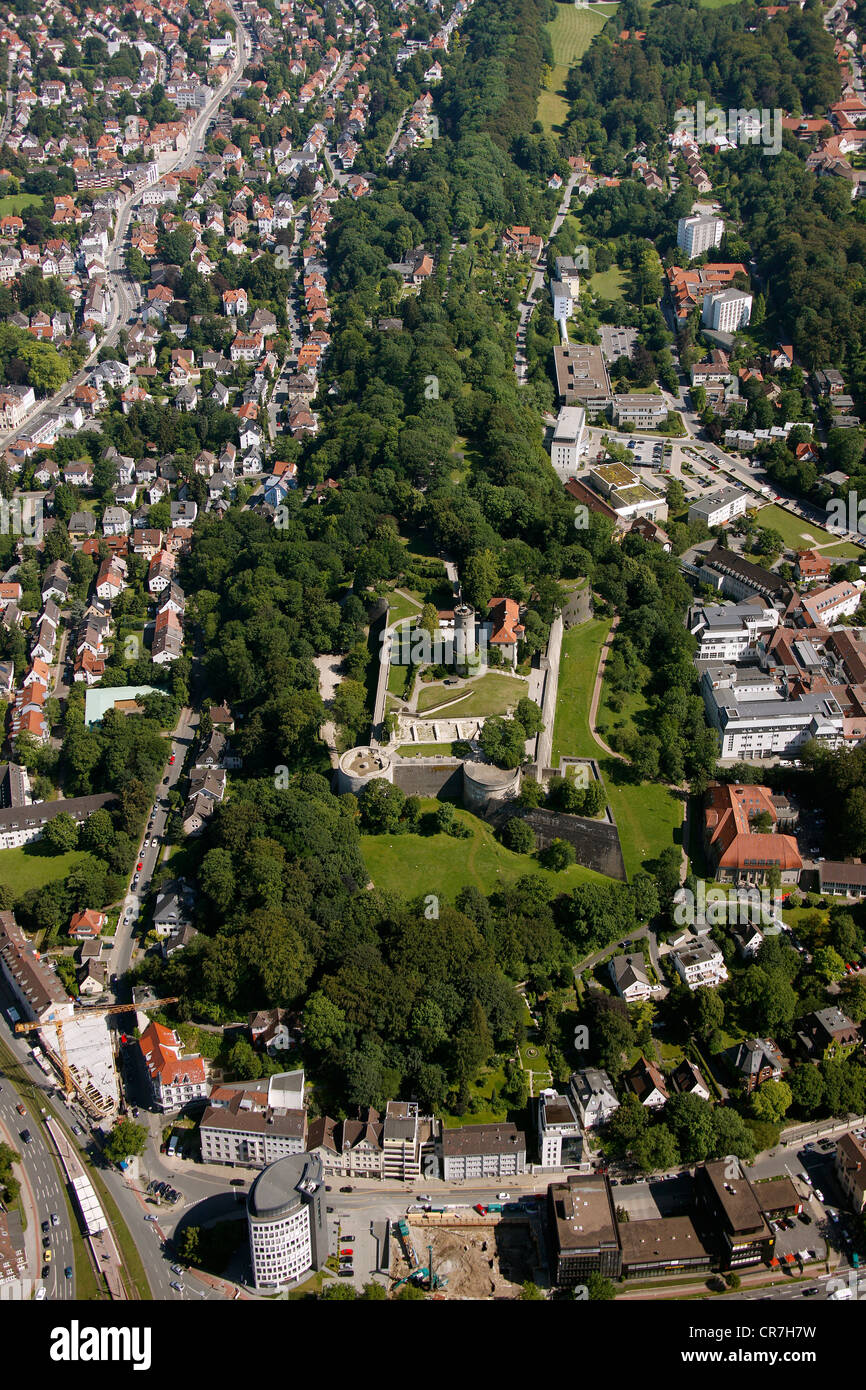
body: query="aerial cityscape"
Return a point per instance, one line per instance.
(433, 639)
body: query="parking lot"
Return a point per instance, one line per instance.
(618, 342)
(648, 452)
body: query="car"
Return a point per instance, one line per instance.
(45, 1273)
(26, 1136)
(819, 1194)
(346, 1272)
(55, 1219)
(176, 1285)
(135, 880)
(139, 866)
(614, 1182)
(45, 1226)
(76, 1129)
(808, 1293)
(176, 1269)
(165, 781)
(329, 1210)
(236, 1182)
(171, 759)
(346, 1189)
(46, 1241)
(22, 1109)
(150, 1218)
(347, 1252)
(47, 1256)
(39, 1295)
(68, 1271)
(503, 1196)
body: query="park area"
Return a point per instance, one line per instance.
(34, 866)
(648, 816)
(415, 865)
(799, 534)
(571, 33)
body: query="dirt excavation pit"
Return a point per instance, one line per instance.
(485, 1262)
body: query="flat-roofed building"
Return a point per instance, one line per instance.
(560, 1135)
(666, 1245)
(581, 376)
(729, 1204)
(582, 1230)
(569, 438)
(482, 1151)
(720, 507)
(699, 233)
(639, 411)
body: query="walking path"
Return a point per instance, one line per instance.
(596, 692)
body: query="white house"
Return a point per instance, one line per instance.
(700, 964)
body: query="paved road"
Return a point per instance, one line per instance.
(42, 1188)
(149, 853)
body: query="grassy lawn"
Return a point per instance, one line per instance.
(571, 33)
(844, 550)
(414, 865)
(608, 283)
(401, 607)
(649, 817)
(482, 1090)
(802, 535)
(30, 867)
(493, 693)
(580, 648)
(17, 202)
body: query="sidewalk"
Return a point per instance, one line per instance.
(32, 1251)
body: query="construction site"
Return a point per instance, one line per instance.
(459, 1255)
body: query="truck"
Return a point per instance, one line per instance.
(13, 1015)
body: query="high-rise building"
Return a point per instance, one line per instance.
(287, 1222)
(727, 310)
(698, 234)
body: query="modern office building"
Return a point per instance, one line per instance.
(729, 1203)
(582, 1230)
(287, 1222)
(560, 1135)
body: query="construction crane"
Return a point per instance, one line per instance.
(70, 1085)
